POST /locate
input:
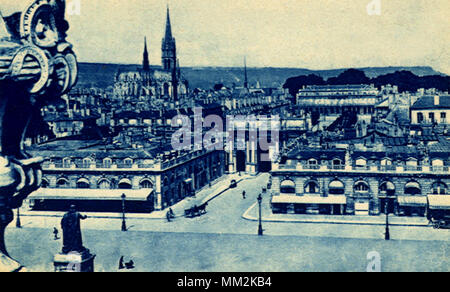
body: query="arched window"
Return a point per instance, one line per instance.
(387, 188)
(413, 188)
(87, 163)
(107, 163)
(62, 183)
(361, 162)
(67, 162)
(45, 183)
(386, 162)
(146, 184)
(361, 187)
(166, 89)
(104, 184)
(312, 187)
(437, 162)
(336, 187)
(412, 162)
(83, 183)
(439, 188)
(128, 162)
(125, 184)
(287, 187)
(337, 162)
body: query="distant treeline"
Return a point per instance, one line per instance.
(405, 80)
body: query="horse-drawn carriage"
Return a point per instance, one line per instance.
(438, 211)
(195, 211)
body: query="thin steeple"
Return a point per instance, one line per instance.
(168, 35)
(146, 60)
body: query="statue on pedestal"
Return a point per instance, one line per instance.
(72, 239)
(37, 67)
(74, 257)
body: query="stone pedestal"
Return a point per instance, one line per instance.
(74, 262)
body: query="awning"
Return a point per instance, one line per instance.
(389, 186)
(90, 194)
(83, 180)
(412, 201)
(283, 199)
(125, 181)
(439, 202)
(336, 184)
(288, 183)
(413, 185)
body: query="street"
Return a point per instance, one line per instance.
(222, 240)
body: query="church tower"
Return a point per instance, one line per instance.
(169, 48)
(146, 61)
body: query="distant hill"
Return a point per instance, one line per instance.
(102, 75)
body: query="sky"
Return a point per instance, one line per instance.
(313, 34)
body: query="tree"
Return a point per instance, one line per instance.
(350, 76)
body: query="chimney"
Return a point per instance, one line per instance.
(436, 100)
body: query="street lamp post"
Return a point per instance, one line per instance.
(387, 235)
(18, 223)
(260, 230)
(124, 225)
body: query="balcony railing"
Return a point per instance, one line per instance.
(367, 168)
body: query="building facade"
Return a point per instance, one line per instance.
(351, 179)
(431, 110)
(94, 171)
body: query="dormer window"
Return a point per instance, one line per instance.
(107, 163)
(67, 162)
(361, 187)
(128, 162)
(361, 162)
(87, 163)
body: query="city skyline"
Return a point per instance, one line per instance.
(290, 33)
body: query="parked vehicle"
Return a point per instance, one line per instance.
(438, 211)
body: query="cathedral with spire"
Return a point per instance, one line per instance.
(152, 83)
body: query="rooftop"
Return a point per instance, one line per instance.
(432, 102)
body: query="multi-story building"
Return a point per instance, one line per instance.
(94, 174)
(362, 176)
(431, 110)
(338, 99)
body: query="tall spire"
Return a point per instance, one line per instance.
(168, 35)
(169, 47)
(146, 61)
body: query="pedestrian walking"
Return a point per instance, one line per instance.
(168, 216)
(56, 233)
(121, 266)
(244, 195)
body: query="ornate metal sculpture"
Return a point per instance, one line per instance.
(37, 67)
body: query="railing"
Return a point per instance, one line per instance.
(336, 167)
(412, 168)
(368, 168)
(387, 168)
(309, 166)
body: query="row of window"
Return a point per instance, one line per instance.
(431, 117)
(337, 187)
(384, 162)
(105, 184)
(87, 162)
